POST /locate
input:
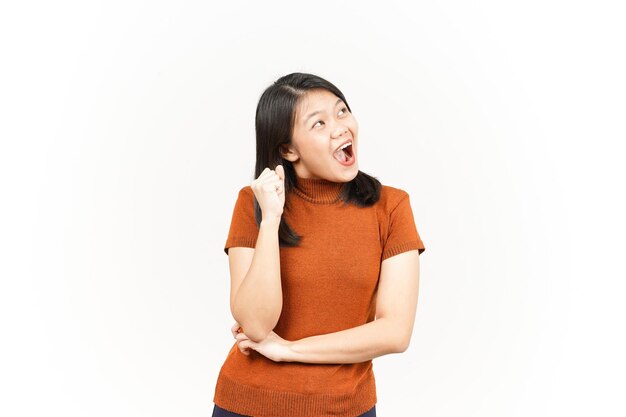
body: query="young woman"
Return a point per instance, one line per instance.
(324, 264)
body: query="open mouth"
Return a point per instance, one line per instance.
(345, 154)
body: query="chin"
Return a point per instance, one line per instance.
(349, 176)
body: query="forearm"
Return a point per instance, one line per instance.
(354, 345)
(259, 299)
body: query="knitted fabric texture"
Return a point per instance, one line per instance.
(329, 284)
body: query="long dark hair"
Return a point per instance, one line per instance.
(275, 118)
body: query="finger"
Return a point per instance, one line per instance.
(269, 178)
(235, 329)
(260, 177)
(276, 186)
(280, 171)
(245, 347)
(272, 186)
(267, 171)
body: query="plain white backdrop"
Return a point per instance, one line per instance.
(127, 129)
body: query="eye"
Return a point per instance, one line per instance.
(344, 109)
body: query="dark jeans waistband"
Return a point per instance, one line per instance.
(220, 412)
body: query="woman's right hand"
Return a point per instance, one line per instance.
(269, 190)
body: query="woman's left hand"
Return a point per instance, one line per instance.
(272, 347)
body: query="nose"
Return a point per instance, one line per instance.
(340, 131)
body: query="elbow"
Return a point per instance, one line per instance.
(255, 329)
(395, 341)
(397, 337)
(256, 332)
(403, 344)
(257, 335)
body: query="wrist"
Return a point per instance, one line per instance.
(270, 221)
(291, 354)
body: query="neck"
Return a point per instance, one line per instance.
(318, 190)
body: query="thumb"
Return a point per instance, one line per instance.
(280, 171)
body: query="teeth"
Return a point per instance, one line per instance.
(344, 146)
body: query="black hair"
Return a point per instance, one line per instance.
(275, 119)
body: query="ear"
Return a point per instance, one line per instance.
(288, 152)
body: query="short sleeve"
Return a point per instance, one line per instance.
(402, 233)
(243, 228)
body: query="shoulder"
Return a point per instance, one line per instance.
(390, 197)
(246, 192)
(244, 199)
(244, 204)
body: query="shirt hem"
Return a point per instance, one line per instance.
(261, 402)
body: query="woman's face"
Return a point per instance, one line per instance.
(317, 136)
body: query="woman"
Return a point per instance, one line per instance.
(324, 264)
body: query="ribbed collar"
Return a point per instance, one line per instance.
(318, 190)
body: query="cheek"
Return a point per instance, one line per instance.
(321, 148)
(317, 149)
(310, 147)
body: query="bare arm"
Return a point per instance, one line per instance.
(258, 301)
(358, 344)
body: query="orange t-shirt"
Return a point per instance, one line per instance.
(329, 284)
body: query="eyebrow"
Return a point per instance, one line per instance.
(319, 111)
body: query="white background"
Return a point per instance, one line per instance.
(128, 127)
